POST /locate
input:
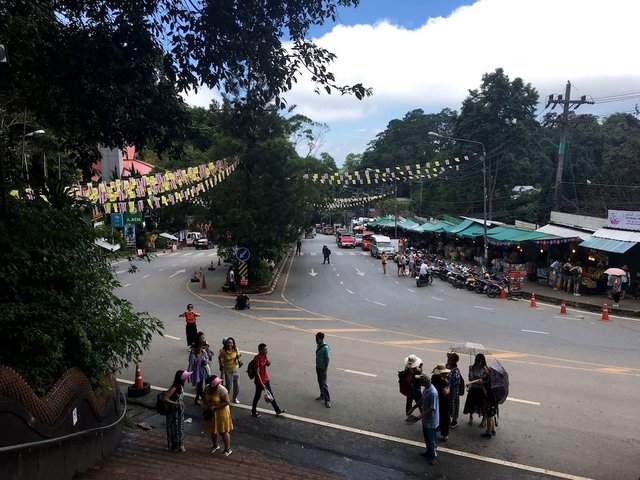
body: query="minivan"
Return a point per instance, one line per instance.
(379, 244)
(366, 240)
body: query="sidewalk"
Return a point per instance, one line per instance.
(591, 303)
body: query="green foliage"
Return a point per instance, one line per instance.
(58, 302)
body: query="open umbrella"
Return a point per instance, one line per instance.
(471, 348)
(615, 271)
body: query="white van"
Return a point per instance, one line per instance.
(191, 237)
(379, 244)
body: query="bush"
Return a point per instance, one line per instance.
(58, 302)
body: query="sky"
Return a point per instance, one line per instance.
(429, 53)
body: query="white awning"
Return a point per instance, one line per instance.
(621, 235)
(101, 242)
(564, 232)
(169, 236)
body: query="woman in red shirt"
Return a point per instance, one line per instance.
(192, 329)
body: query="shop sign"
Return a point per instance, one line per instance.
(133, 217)
(624, 219)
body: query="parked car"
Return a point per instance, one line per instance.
(191, 237)
(327, 230)
(201, 243)
(339, 233)
(346, 240)
(358, 237)
(379, 244)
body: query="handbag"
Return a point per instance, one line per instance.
(207, 414)
(461, 387)
(267, 396)
(239, 362)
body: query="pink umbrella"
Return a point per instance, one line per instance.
(615, 271)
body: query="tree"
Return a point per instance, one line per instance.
(352, 162)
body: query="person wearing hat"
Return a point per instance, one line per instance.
(440, 380)
(429, 416)
(409, 384)
(217, 414)
(174, 398)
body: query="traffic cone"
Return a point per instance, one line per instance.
(195, 277)
(211, 267)
(533, 301)
(503, 293)
(138, 380)
(204, 281)
(563, 308)
(605, 313)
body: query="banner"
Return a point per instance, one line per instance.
(623, 219)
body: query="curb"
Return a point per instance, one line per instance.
(589, 307)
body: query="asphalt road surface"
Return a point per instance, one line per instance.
(575, 380)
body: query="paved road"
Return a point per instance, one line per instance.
(573, 379)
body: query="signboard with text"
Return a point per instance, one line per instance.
(623, 219)
(116, 220)
(133, 217)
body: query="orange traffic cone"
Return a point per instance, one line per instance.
(138, 380)
(211, 267)
(503, 293)
(563, 308)
(605, 313)
(533, 301)
(195, 277)
(204, 281)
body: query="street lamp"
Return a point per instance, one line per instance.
(25, 135)
(485, 259)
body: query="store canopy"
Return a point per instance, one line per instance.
(622, 235)
(608, 245)
(517, 235)
(101, 242)
(431, 227)
(472, 231)
(459, 227)
(564, 232)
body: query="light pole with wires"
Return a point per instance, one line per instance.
(485, 258)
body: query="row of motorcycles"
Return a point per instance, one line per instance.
(458, 275)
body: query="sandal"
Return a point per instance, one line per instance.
(483, 423)
(215, 448)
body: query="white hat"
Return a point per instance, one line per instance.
(412, 361)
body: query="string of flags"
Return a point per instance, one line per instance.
(341, 203)
(383, 175)
(153, 191)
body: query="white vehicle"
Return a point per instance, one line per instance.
(379, 244)
(191, 237)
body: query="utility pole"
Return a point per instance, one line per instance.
(566, 103)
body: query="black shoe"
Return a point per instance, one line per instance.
(256, 415)
(327, 404)
(486, 435)
(453, 425)
(320, 398)
(282, 410)
(432, 461)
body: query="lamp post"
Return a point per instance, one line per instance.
(25, 135)
(485, 258)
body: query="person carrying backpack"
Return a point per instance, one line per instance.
(326, 253)
(409, 383)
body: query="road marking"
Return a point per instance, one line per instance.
(147, 275)
(437, 318)
(171, 337)
(438, 299)
(357, 373)
(313, 273)
(358, 272)
(349, 330)
(275, 309)
(483, 308)
(349, 291)
(247, 352)
(399, 440)
(341, 283)
(174, 265)
(535, 331)
(528, 402)
(500, 356)
(577, 319)
(397, 282)
(120, 271)
(177, 273)
(381, 304)
(413, 342)
(352, 253)
(614, 370)
(126, 285)
(325, 319)
(161, 269)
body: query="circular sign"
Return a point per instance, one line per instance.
(243, 254)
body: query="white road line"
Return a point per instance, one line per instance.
(517, 400)
(161, 269)
(399, 440)
(483, 308)
(188, 253)
(349, 291)
(172, 337)
(212, 254)
(126, 285)
(120, 271)
(357, 372)
(147, 275)
(535, 331)
(437, 318)
(397, 282)
(438, 299)
(568, 318)
(174, 265)
(177, 273)
(381, 304)
(412, 291)
(352, 253)
(341, 283)
(248, 353)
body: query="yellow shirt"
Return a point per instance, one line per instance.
(229, 360)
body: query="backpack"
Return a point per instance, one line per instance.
(161, 406)
(251, 369)
(405, 378)
(499, 382)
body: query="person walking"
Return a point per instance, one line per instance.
(229, 359)
(198, 363)
(626, 281)
(231, 279)
(262, 381)
(174, 399)
(298, 246)
(383, 261)
(439, 379)
(326, 253)
(429, 416)
(456, 384)
(401, 262)
(322, 365)
(218, 420)
(190, 317)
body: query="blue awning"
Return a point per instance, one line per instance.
(608, 245)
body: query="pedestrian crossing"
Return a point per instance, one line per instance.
(338, 253)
